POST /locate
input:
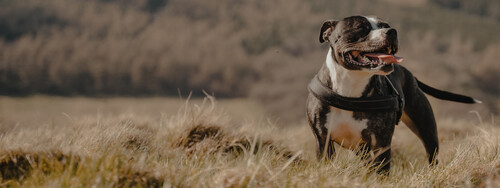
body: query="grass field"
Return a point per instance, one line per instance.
(116, 142)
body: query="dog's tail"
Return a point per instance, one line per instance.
(445, 95)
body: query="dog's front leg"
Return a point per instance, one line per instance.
(379, 142)
(316, 115)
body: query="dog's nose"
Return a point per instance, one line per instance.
(392, 33)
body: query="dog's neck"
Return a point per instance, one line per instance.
(348, 83)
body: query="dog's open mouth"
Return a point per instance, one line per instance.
(372, 59)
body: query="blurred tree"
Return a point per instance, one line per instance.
(17, 21)
(154, 6)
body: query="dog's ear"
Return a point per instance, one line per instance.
(326, 30)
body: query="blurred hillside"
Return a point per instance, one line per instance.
(266, 50)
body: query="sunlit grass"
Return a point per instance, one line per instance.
(133, 150)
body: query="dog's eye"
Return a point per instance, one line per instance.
(363, 27)
(362, 30)
(383, 25)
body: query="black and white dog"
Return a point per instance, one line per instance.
(361, 92)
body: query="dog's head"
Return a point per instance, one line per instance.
(362, 43)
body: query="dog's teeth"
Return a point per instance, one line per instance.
(365, 59)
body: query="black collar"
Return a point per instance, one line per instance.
(392, 102)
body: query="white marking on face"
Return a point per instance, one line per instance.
(373, 22)
(376, 33)
(348, 83)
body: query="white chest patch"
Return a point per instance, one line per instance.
(344, 129)
(346, 82)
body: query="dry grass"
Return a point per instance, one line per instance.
(200, 146)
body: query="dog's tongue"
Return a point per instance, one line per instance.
(386, 57)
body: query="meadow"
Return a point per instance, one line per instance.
(88, 93)
(172, 142)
